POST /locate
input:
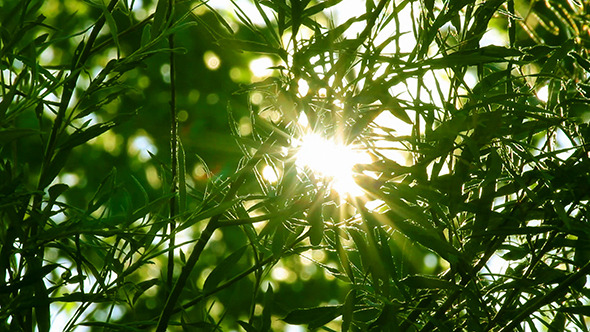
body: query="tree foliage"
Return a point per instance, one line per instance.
(151, 178)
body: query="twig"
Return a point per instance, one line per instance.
(174, 155)
(536, 303)
(212, 225)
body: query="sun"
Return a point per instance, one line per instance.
(331, 160)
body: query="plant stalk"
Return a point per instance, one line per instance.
(174, 157)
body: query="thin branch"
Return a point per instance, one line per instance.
(535, 304)
(212, 225)
(174, 155)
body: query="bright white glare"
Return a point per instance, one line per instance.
(269, 174)
(374, 205)
(493, 37)
(260, 66)
(332, 160)
(302, 87)
(247, 7)
(497, 265)
(71, 179)
(137, 4)
(294, 328)
(142, 146)
(543, 93)
(303, 121)
(388, 120)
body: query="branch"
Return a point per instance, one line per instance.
(212, 225)
(536, 303)
(174, 154)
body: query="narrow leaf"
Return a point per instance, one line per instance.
(428, 282)
(221, 271)
(314, 317)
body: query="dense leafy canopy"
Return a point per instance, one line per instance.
(261, 165)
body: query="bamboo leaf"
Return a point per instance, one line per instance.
(247, 327)
(423, 236)
(222, 270)
(429, 282)
(160, 18)
(316, 223)
(314, 317)
(267, 310)
(10, 134)
(146, 35)
(112, 27)
(578, 310)
(250, 46)
(143, 286)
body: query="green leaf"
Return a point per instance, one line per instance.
(181, 178)
(279, 237)
(556, 56)
(160, 18)
(313, 317)
(111, 326)
(250, 46)
(514, 253)
(104, 192)
(558, 323)
(146, 35)
(348, 310)
(247, 327)
(182, 256)
(143, 286)
(579, 310)
(150, 207)
(82, 136)
(222, 270)
(316, 223)
(207, 213)
(54, 167)
(112, 27)
(10, 134)
(267, 310)
(581, 61)
(425, 237)
(429, 282)
(56, 190)
(320, 7)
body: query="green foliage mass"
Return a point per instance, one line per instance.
(151, 174)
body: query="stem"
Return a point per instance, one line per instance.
(533, 305)
(174, 157)
(237, 278)
(212, 225)
(34, 257)
(184, 274)
(193, 259)
(68, 90)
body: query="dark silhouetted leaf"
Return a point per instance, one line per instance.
(314, 317)
(223, 269)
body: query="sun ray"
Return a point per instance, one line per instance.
(331, 160)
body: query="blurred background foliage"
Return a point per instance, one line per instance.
(470, 119)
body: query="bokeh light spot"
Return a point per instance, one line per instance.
(212, 61)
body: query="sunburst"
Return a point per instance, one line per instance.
(332, 161)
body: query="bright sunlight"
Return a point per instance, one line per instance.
(331, 160)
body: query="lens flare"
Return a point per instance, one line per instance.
(331, 160)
